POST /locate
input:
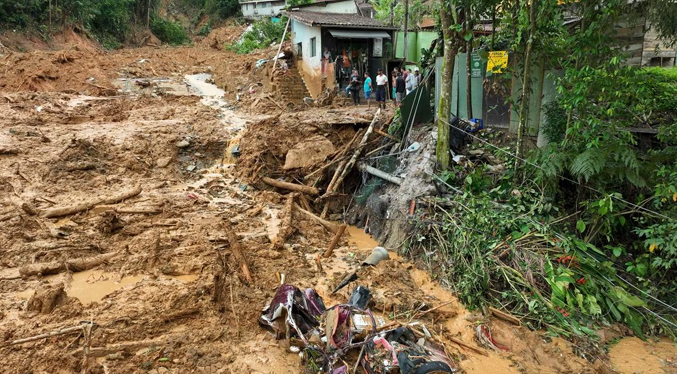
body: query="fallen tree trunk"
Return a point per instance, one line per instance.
(291, 186)
(68, 210)
(328, 225)
(75, 265)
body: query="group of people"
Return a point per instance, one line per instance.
(402, 84)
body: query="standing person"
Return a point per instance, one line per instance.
(399, 89)
(409, 82)
(355, 87)
(381, 83)
(326, 59)
(367, 89)
(419, 78)
(393, 80)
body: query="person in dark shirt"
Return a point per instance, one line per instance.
(354, 86)
(399, 89)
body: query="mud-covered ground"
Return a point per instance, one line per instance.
(168, 293)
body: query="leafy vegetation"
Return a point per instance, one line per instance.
(385, 9)
(168, 31)
(111, 21)
(584, 233)
(261, 35)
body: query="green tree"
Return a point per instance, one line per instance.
(293, 3)
(393, 10)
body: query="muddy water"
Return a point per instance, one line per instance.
(494, 363)
(93, 285)
(632, 355)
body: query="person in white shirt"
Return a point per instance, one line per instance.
(381, 83)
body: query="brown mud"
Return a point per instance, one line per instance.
(172, 297)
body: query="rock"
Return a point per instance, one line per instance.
(46, 298)
(183, 143)
(309, 153)
(191, 167)
(162, 370)
(163, 162)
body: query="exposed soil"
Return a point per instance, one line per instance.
(172, 295)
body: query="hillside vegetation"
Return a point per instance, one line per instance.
(112, 22)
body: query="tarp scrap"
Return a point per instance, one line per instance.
(301, 311)
(302, 314)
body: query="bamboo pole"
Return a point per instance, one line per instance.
(279, 49)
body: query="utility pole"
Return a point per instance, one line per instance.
(406, 31)
(148, 15)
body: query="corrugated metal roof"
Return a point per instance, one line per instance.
(336, 19)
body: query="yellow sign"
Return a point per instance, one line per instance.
(498, 60)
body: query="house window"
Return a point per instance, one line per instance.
(264, 5)
(313, 50)
(299, 50)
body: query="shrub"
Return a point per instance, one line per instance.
(261, 35)
(168, 31)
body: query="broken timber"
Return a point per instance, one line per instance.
(72, 209)
(287, 229)
(349, 165)
(291, 186)
(505, 316)
(75, 265)
(328, 225)
(335, 241)
(236, 249)
(67, 330)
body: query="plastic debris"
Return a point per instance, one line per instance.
(328, 335)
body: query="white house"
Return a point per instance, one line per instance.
(258, 9)
(354, 41)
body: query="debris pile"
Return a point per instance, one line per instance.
(330, 338)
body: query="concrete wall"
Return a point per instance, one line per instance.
(309, 67)
(417, 40)
(348, 7)
(261, 9)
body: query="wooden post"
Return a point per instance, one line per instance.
(279, 49)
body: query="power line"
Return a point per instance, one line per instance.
(639, 207)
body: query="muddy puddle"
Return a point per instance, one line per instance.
(93, 285)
